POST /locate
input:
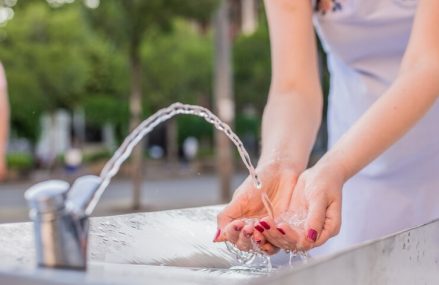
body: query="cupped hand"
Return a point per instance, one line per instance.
(235, 220)
(317, 198)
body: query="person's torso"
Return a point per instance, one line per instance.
(365, 41)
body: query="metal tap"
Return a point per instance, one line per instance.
(60, 215)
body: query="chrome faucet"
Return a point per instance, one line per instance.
(60, 215)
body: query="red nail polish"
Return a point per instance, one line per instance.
(265, 225)
(312, 234)
(218, 232)
(259, 228)
(258, 241)
(237, 228)
(281, 231)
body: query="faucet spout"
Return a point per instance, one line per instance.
(81, 194)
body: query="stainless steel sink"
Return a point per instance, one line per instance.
(170, 247)
(174, 247)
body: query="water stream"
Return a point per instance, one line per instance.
(112, 167)
(124, 151)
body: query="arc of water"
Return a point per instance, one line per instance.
(123, 152)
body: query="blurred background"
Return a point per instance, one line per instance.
(82, 73)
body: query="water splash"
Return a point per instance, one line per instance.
(253, 260)
(295, 220)
(123, 152)
(256, 260)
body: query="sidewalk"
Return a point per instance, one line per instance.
(156, 195)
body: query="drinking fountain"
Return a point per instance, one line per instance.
(61, 224)
(60, 212)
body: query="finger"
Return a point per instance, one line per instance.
(233, 210)
(258, 238)
(287, 184)
(232, 230)
(316, 219)
(244, 242)
(290, 236)
(225, 217)
(271, 233)
(269, 249)
(332, 223)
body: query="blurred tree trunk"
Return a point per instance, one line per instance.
(224, 102)
(249, 17)
(172, 140)
(136, 112)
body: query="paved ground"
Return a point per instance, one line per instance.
(156, 195)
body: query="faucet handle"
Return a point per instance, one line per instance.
(47, 196)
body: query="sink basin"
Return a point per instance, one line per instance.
(174, 247)
(170, 246)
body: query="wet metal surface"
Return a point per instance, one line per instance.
(170, 247)
(409, 257)
(174, 247)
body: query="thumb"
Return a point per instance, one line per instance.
(227, 215)
(315, 220)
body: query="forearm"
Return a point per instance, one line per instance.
(4, 123)
(293, 112)
(405, 103)
(4, 114)
(289, 127)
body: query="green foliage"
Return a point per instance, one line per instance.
(252, 68)
(19, 161)
(126, 22)
(100, 109)
(190, 126)
(138, 29)
(102, 155)
(44, 45)
(177, 67)
(73, 56)
(54, 60)
(245, 125)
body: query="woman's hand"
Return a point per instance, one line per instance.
(317, 196)
(278, 180)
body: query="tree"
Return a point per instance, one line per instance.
(252, 64)
(43, 55)
(127, 23)
(177, 67)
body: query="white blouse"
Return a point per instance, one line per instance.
(365, 41)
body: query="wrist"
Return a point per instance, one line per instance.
(279, 164)
(282, 158)
(333, 163)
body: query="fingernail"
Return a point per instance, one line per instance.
(281, 231)
(247, 235)
(258, 241)
(218, 232)
(265, 225)
(312, 234)
(259, 228)
(237, 228)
